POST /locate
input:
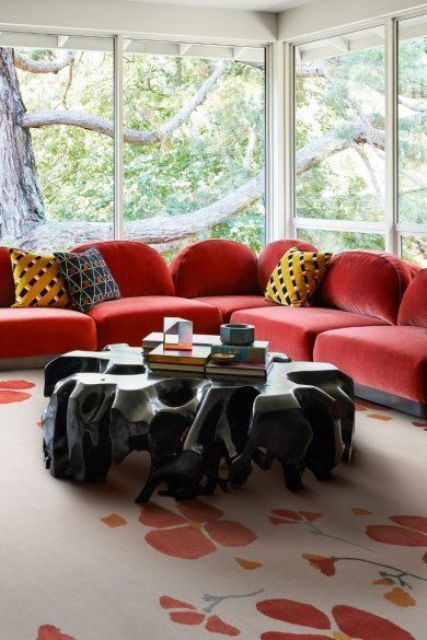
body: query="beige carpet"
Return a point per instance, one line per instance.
(341, 560)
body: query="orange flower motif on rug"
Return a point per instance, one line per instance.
(389, 576)
(49, 632)
(11, 391)
(193, 532)
(351, 623)
(410, 532)
(185, 613)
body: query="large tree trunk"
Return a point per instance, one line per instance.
(21, 203)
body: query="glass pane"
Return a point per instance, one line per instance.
(339, 128)
(195, 151)
(412, 110)
(338, 240)
(414, 248)
(56, 149)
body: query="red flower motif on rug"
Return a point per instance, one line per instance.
(10, 391)
(410, 532)
(422, 425)
(185, 613)
(352, 623)
(193, 534)
(49, 632)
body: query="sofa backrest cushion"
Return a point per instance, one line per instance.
(215, 268)
(413, 268)
(271, 254)
(138, 269)
(7, 285)
(367, 282)
(413, 309)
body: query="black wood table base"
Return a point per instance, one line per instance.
(104, 405)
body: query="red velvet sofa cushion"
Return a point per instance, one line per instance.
(293, 330)
(229, 304)
(413, 309)
(36, 332)
(366, 282)
(215, 268)
(138, 269)
(131, 319)
(271, 254)
(413, 268)
(392, 359)
(7, 286)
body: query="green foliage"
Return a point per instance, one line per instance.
(334, 241)
(201, 162)
(350, 185)
(414, 248)
(222, 144)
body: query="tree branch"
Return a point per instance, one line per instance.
(250, 148)
(334, 141)
(25, 63)
(161, 230)
(134, 136)
(68, 85)
(411, 104)
(371, 171)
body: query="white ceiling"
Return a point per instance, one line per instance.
(250, 5)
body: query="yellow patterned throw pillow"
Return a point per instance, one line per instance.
(37, 281)
(296, 277)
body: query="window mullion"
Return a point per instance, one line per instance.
(391, 139)
(118, 137)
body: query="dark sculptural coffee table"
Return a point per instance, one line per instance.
(103, 405)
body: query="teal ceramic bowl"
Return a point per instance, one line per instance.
(237, 335)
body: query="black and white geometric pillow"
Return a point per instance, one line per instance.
(89, 280)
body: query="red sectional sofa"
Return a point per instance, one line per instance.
(369, 316)
(389, 363)
(148, 295)
(28, 334)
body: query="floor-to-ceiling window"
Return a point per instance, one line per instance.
(193, 146)
(345, 139)
(194, 153)
(412, 138)
(339, 136)
(56, 140)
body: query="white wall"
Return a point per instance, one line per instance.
(135, 18)
(329, 14)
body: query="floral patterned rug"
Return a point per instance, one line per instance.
(340, 560)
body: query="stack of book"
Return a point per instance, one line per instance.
(155, 339)
(253, 361)
(164, 360)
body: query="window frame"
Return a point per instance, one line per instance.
(11, 36)
(390, 228)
